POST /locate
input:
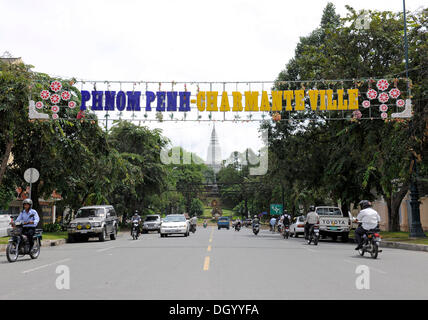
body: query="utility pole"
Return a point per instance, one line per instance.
(416, 230)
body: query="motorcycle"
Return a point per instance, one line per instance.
(19, 243)
(193, 228)
(371, 240)
(280, 228)
(134, 232)
(205, 224)
(314, 235)
(256, 228)
(237, 227)
(286, 232)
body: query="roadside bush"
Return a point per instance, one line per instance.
(52, 227)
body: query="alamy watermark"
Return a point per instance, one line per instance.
(63, 280)
(363, 280)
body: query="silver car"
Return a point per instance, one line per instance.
(152, 223)
(93, 221)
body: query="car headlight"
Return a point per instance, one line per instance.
(73, 225)
(96, 224)
(183, 225)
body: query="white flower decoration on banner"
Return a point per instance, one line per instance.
(44, 94)
(383, 108)
(39, 104)
(382, 85)
(56, 86)
(371, 94)
(366, 104)
(383, 97)
(384, 115)
(55, 98)
(55, 116)
(65, 95)
(394, 93)
(72, 104)
(400, 103)
(55, 109)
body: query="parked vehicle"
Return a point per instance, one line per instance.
(135, 230)
(256, 228)
(19, 244)
(371, 240)
(152, 222)
(298, 226)
(314, 234)
(223, 222)
(333, 223)
(174, 224)
(93, 221)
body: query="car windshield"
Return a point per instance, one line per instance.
(85, 213)
(223, 219)
(151, 218)
(174, 219)
(329, 211)
(301, 219)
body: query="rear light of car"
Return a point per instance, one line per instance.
(376, 235)
(300, 225)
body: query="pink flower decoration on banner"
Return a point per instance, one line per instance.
(65, 95)
(371, 94)
(55, 98)
(56, 86)
(400, 103)
(383, 97)
(383, 108)
(39, 104)
(55, 109)
(366, 103)
(55, 116)
(72, 104)
(394, 93)
(357, 114)
(382, 85)
(384, 115)
(44, 94)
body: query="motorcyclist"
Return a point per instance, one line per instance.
(136, 217)
(194, 221)
(286, 218)
(29, 219)
(311, 219)
(238, 223)
(272, 223)
(255, 221)
(369, 219)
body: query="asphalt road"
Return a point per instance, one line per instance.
(214, 264)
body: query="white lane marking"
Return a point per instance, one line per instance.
(375, 269)
(46, 265)
(105, 249)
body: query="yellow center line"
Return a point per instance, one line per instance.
(209, 248)
(206, 263)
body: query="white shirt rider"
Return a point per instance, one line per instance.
(369, 218)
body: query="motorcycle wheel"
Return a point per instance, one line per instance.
(35, 251)
(12, 252)
(361, 251)
(316, 241)
(286, 235)
(375, 251)
(309, 240)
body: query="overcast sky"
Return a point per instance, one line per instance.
(169, 41)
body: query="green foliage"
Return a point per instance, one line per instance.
(52, 227)
(196, 207)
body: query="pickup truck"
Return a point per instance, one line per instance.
(223, 222)
(333, 223)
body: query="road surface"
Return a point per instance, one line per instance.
(214, 264)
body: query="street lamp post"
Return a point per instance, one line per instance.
(416, 230)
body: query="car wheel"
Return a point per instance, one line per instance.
(345, 237)
(70, 238)
(334, 237)
(295, 234)
(114, 234)
(103, 235)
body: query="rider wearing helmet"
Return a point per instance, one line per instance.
(312, 219)
(255, 220)
(368, 219)
(286, 218)
(136, 217)
(29, 219)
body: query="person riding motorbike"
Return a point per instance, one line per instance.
(255, 221)
(286, 218)
(193, 222)
(238, 223)
(136, 217)
(29, 218)
(369, 219)
(312, 219)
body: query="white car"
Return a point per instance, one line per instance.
(298, 226)
(174, 224)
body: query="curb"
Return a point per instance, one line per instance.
(45, 243)
(400, 245)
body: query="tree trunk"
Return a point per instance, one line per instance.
(394, 209)
(388, 204)
(6, 156)
(36, 204)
